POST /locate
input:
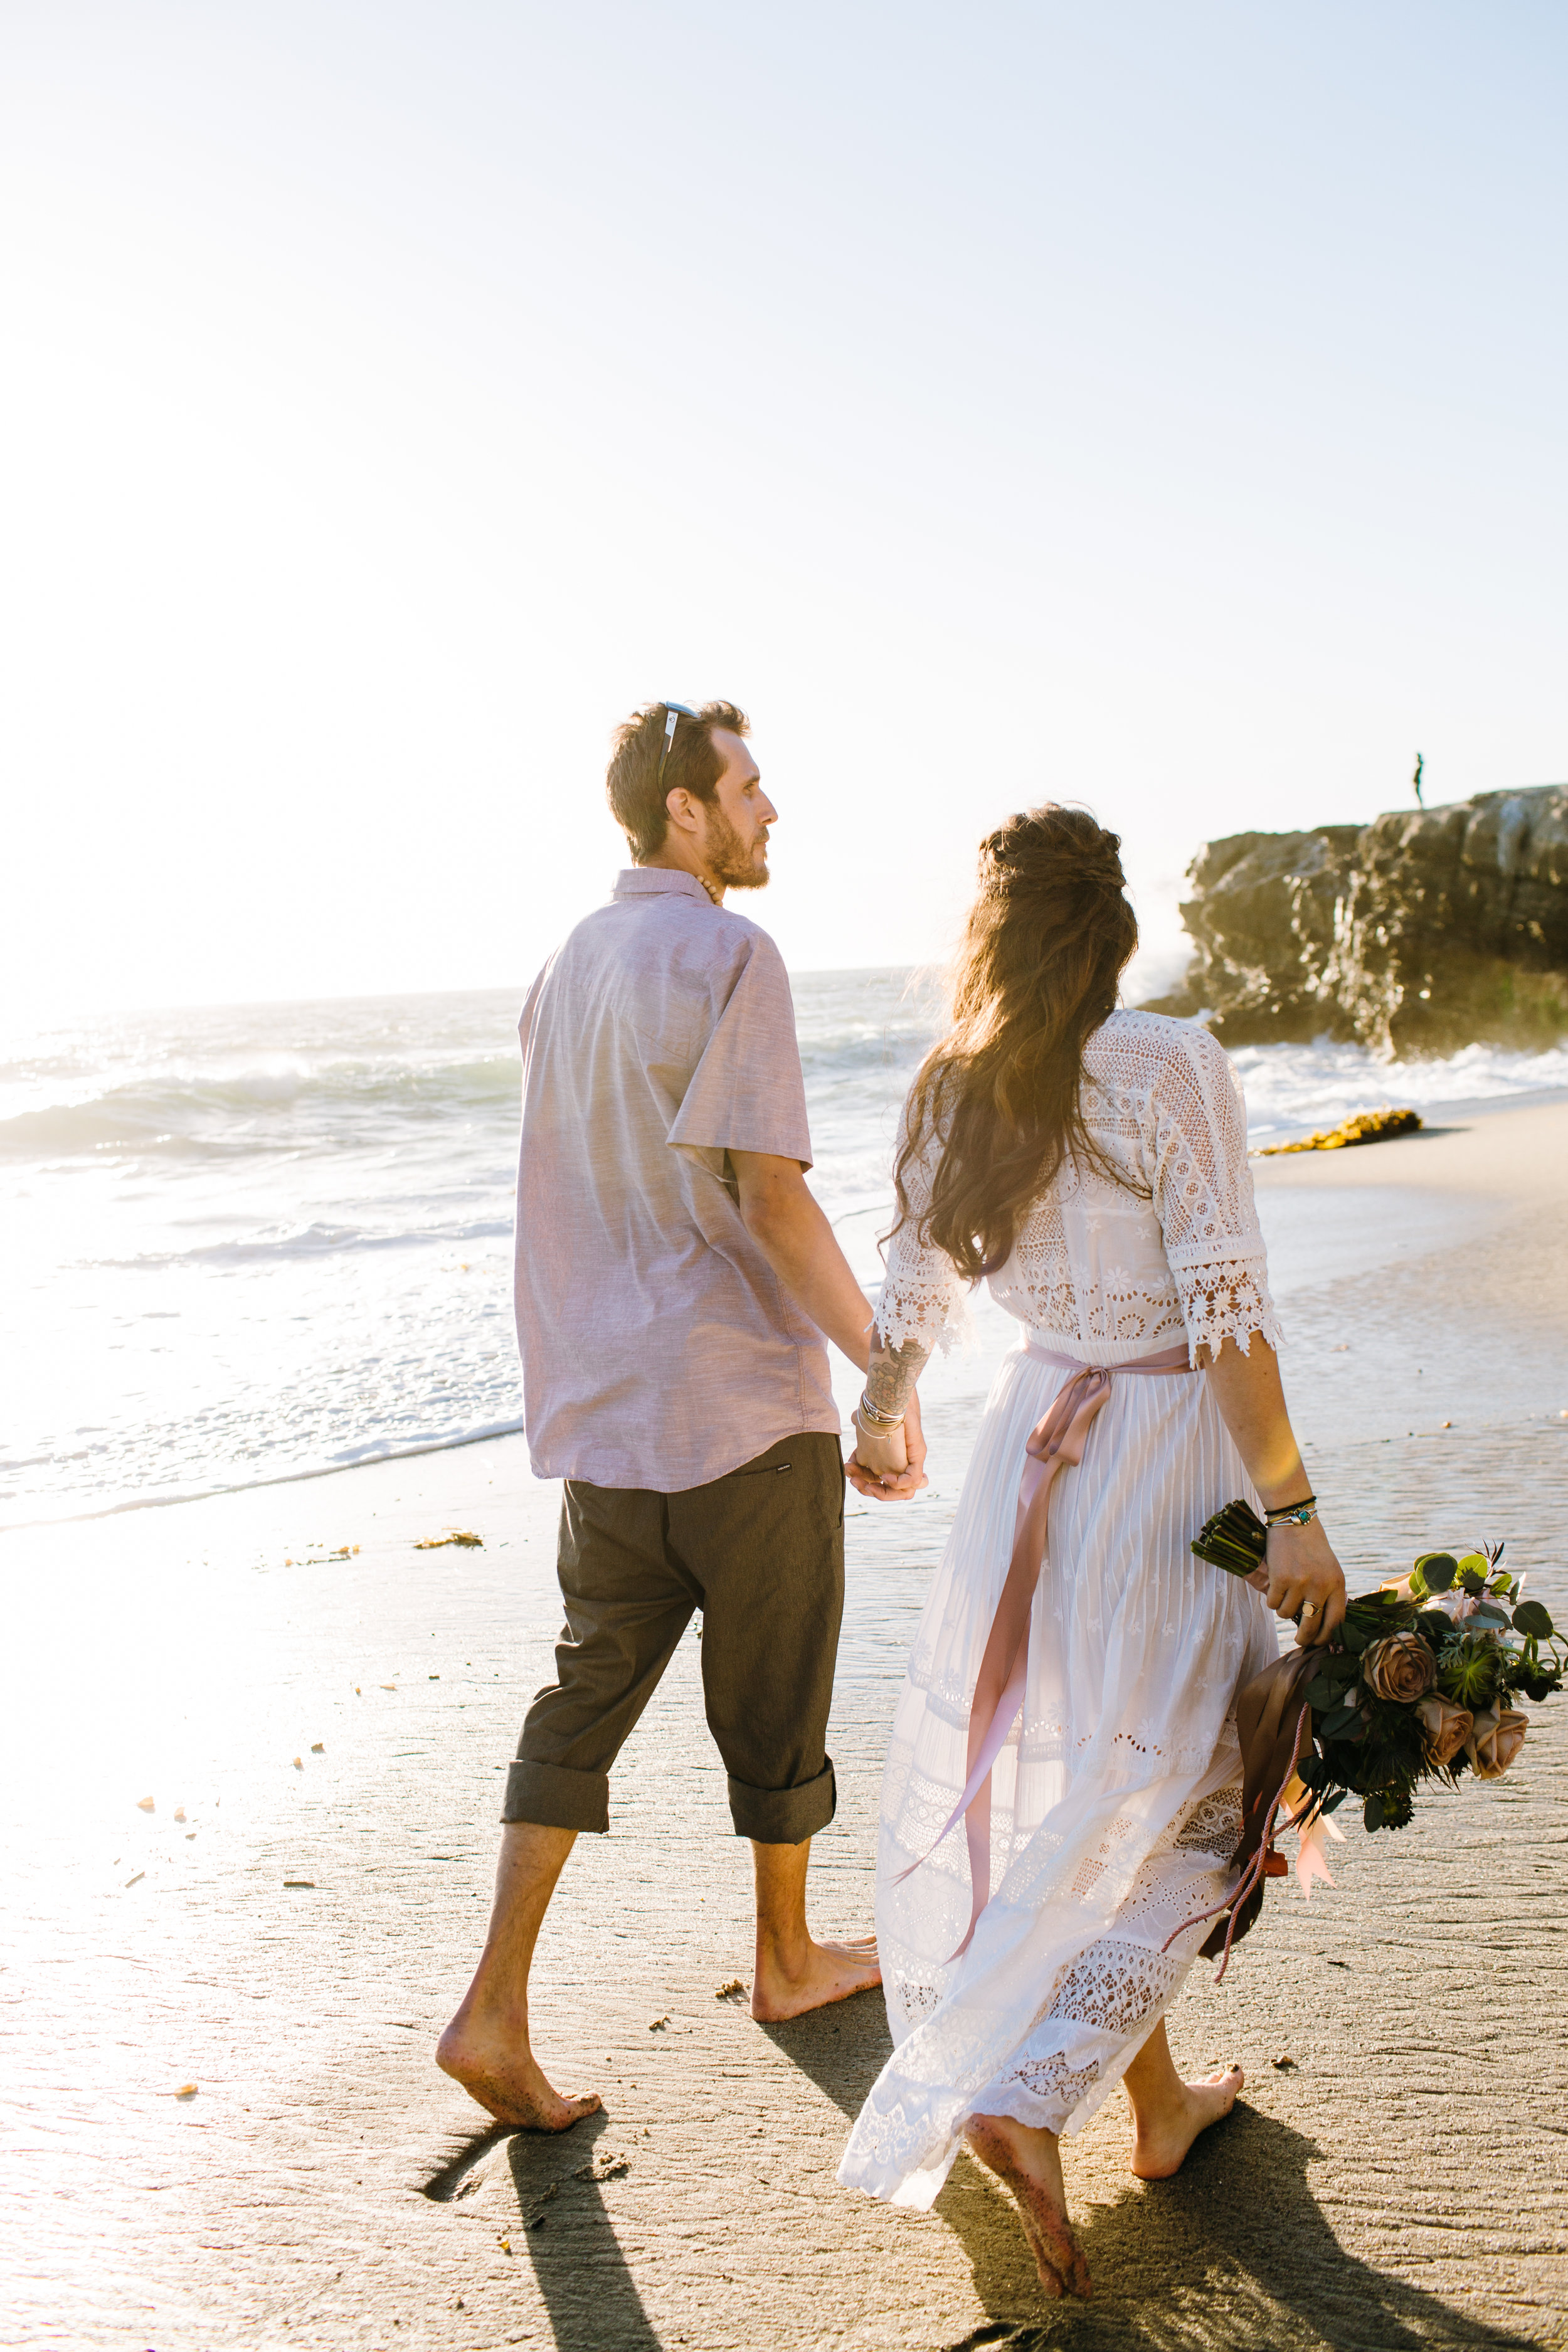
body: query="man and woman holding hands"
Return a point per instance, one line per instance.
(1071, 1707)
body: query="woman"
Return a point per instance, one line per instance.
(1040, 1881)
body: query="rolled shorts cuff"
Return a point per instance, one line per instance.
(554, 1797)
(784, 1816)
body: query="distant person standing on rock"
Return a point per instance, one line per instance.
(675, 1281)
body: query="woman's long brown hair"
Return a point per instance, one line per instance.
(1038, 971)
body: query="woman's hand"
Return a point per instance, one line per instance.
(1302, 1578)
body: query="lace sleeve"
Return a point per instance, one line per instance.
(1202, 1195)
(923, 1291)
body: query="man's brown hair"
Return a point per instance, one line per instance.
(636, 792)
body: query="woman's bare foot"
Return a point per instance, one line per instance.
(1161, 2135)
(792, 1979)
(501, 2072)
(1029, 2163)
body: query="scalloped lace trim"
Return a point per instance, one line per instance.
(1175, 1250)
(928, 1303)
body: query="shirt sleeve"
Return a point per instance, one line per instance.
(529, 1013)
(1202, 1195)
(922, 1292)
(747, 1093)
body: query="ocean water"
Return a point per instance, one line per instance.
(249, 1244)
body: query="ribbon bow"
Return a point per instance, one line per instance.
(1055, 1444)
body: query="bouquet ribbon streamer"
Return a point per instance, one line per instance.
(1055, 1444)
(1273, 1721)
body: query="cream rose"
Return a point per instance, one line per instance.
(1445, 1728)
(1399, 1668)
(1495, 1740)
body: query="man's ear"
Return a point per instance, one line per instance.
(680, 809)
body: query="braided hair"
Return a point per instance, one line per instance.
(1037, 972)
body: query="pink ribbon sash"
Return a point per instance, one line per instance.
(1056, 1443)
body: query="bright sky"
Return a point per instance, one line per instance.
(1161, 407)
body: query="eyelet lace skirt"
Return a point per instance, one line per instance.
(1114, 1806)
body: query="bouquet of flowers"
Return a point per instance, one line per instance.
(1419, 1682)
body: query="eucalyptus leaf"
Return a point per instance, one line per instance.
(1372, 1811)
(1532, 1617)
(1438, 1569)
(1331, 1804)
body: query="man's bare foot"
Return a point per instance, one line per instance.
(505, 2080)
(1029, 2163)
(1161, 2137)
(789, 1985)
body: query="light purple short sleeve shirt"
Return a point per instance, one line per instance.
(658, 1348)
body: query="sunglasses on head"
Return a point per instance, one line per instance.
(676, 712)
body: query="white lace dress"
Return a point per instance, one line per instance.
(1115, 1805)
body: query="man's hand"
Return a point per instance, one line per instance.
(890, 1469)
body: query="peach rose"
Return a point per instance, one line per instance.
(1495, 1740)
(1445, 1728)
(1399, 1668)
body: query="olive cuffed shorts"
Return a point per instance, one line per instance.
(760, 1553)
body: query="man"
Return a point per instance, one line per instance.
(675, 1278)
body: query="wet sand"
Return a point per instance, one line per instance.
(292, 1946)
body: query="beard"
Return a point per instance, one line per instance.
(733, 866)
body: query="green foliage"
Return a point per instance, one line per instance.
(1433, 1572)
(1531, 1617)
(1536, 1681)
(1390, 1807)
(1470, 1671)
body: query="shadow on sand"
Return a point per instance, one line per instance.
(539, 2190)
(1234, 2255)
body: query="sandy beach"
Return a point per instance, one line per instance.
(287, 1927)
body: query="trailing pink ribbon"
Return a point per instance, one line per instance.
(1310, 1860)
(1055, 1444)
(1274, 1724)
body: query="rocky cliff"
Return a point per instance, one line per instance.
(1417, 933)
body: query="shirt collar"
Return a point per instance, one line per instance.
(636, 881)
